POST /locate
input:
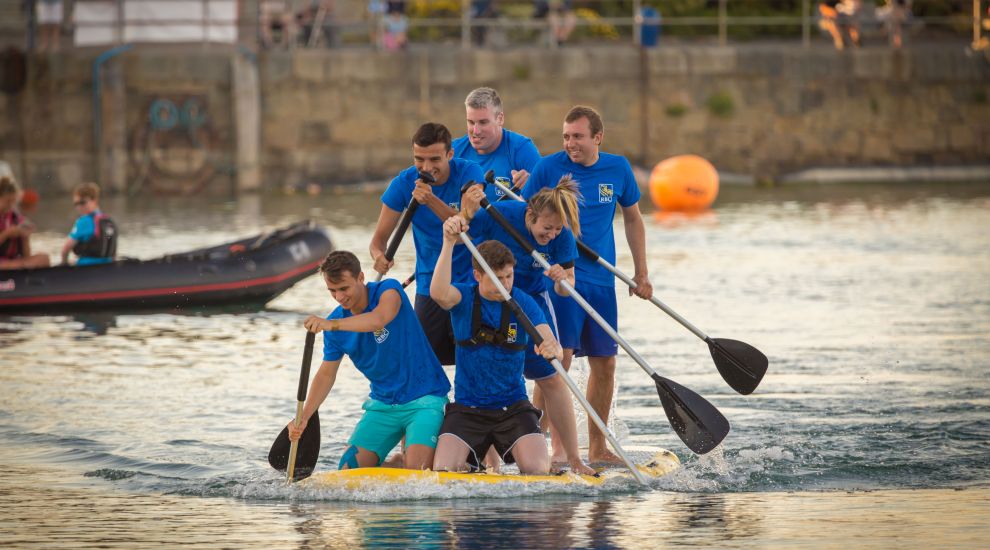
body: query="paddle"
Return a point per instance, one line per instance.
(299, 457)
(696, 421)
(403, 225)
(537, 340)
(741, 365)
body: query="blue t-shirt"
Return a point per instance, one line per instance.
(397, 360)
(82, 231)
(529, 274)
(607, 182)
(427, 227)
(515, 152)
(488, 376)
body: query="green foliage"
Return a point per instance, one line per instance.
(520, 72)
(676, 110)
(720, 104)
(980, 96)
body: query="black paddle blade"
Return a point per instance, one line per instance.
(306, 455)
(740, 364)
(696, 421)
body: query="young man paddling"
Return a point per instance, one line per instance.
(605, 180)
(490, 405)
(546, 221)
(376, 327)
(510, 155)
(431, 154)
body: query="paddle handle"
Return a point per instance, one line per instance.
(404, 221)
(538, 340)
(307, 362)
(508, 192)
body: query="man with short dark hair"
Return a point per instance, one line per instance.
(605, 181)
(432, 154)
(376, 327)
(491, 407)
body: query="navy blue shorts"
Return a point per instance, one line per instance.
(436, 324)
(578, 331)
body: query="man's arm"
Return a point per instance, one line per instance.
(557, 274)
(550, 348)
(443, 293)
(387, 220)
(319, 389)
(66, 248)
(423, 193)
(636, 237)
(370, 321)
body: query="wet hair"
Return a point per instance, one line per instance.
(87, 190)
(495, 254)
(563, 200)
(8, 186)
(481, 98)
(431, 133)
(339, 261)
(594, 119)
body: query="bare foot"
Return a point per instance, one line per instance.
(558, 461)
(580, 468)
(605, 458)
(397, 460)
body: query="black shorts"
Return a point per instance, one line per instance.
(436, 324)
(479, 429)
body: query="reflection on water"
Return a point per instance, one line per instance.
(872, 302)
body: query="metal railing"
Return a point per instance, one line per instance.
(315, 23)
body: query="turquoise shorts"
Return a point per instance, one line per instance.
(382, 426)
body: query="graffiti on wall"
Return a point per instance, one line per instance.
(174, 149)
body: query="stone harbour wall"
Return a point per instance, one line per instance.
(193, 120)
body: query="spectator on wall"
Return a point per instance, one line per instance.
(48, 14)
(894, 15)
(560, 16)
(276, 15)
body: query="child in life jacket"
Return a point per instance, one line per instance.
(94, 235)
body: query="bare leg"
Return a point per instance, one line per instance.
(546, 423)
(493, 462)
(365, 459)
(561, 409)
(601, 384)
(419, 457)
(530, 453)
(451, 454)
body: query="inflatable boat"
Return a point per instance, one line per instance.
(249, 271)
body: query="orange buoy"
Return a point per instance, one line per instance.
(684, 183)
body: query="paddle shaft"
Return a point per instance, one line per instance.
(587, 251)
(538, 340)
(307, 361)
(498, 217)
(404, 221)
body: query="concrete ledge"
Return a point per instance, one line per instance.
(913, 174)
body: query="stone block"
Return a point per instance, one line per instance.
(668, 62)
(962, 137)
(712, 61)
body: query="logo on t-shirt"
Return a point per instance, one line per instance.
(605, 192)
(510, 335)
(546, 257)
(504, 181)
(381, 335)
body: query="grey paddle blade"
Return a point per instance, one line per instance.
(306, 455)
(740, 364)
(696, 421)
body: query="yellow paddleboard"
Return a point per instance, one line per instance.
(661, 463)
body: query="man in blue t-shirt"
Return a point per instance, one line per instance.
(376, 327)
(605, 180)
(432, 154)
(510, 155)
(490, 404)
